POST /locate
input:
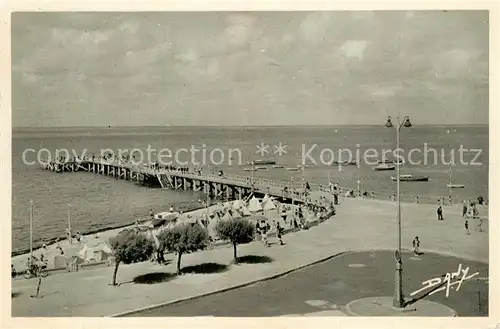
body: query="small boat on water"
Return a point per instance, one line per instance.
(292, 169)
(346, 163)
(261, 167)
(263, 162)
(410, 178)
(278, 166)
(455, 185)
(250, 169)
(400, 161)
(384, 166)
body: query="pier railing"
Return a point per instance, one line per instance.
(283, 188)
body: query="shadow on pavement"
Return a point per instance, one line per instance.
(152, 278)
(254, 259)
(206, 268)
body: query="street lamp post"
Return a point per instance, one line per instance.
(70, 237)
(31, 231)
(398, 300)
(253, 177)
(293, 192)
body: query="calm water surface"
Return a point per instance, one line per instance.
(99, 202)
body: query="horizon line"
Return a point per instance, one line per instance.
(238, 126)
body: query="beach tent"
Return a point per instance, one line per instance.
(254, 205)
(226, 216)
(268, 205)
(211, 227)
(83, 252)
(97, 253)
(244, 211)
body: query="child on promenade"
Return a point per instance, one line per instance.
(464, 209)
(467, 227)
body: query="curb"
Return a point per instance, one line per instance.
(350, 312)
(274, 276)
(278, 275)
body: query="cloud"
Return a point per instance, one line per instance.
(240, 30)
(455, 62)
(354, 48)
(314, 26)
(147, 64)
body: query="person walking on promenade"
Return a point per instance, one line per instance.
(467, 227)
(279, 231)
(480, 225)
(440, 213)
(464, 209)
(416, 246)
(475, 212)
(264, 237)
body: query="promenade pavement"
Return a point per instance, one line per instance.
(358, 225)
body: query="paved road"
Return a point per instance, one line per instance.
(331, 285)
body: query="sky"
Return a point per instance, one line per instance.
(249, 68)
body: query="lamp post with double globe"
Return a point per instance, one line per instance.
(398, 300)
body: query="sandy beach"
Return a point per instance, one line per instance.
(91, 241)
(101, 239)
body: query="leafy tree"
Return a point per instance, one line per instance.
(183, 239)
(36, 268)
(129, 247)
(238, 231)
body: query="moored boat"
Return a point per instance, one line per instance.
(455, 185)
(410, 178)
(263, 162)
(292, 169)
(346, 163)
(250, 169)
(384, 166)
(278, 166)
(396, 162)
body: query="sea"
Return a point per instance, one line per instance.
(93, 202)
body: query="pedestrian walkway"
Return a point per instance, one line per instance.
(358, 225)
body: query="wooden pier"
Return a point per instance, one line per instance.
(227, 186)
